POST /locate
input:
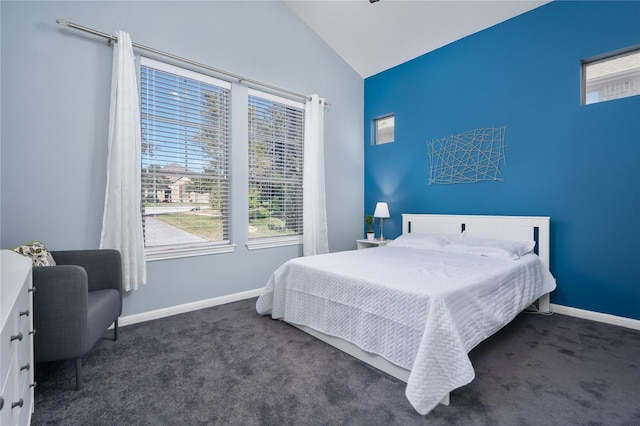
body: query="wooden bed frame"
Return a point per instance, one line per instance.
(515, 228)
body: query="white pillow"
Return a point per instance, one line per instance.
(489, 247)
(423, 240)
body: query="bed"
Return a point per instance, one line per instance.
(416, 307)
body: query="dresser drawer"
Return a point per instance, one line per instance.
(9, 347)
(10, 395)
(24, 392)
(23, 308)
(23, 359)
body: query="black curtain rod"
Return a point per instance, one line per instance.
(66, 24)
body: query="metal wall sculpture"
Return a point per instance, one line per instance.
(467, 157)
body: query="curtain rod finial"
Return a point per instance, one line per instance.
(62, 22)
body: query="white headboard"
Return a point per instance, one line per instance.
(514, 228)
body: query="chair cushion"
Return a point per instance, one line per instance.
(39, 255)
(102, 310)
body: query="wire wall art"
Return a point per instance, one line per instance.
(467, 157)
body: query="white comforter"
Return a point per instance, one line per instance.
(420, 309)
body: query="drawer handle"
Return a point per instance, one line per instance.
(1, 402)
(32, 290)
(24, 313)
(17, 404)
(33, 385)
(32, 332)
(25, 367)
(17, 337)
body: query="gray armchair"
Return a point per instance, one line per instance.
(74, 303)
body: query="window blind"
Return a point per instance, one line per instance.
(385, 129)
(276, 161)
(185, 157)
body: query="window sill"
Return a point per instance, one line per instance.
(176, 252)
(263, 243)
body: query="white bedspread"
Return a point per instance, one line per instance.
(422, 310)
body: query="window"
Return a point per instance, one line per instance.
(276, 135)
(384, 129)
(185, 161)
(614, 77)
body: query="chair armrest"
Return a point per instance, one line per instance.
(60, 311)
(104, 267)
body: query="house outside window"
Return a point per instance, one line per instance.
(185, 161)
(384, 128)
(611, 78)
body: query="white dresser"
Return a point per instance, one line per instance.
(16, 339)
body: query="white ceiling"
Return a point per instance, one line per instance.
(373, 37)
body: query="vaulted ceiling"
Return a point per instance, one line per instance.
(373, 37)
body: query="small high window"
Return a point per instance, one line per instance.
(384, 129)
(613, 77)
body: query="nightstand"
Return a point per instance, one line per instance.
(363, 244)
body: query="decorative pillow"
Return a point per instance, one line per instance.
(489, 247)
(39, 255)
(425, 240)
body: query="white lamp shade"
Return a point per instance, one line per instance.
(382, 210)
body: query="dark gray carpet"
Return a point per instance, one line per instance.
(229, 366)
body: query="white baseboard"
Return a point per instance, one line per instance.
(596, 316)
(187, 307)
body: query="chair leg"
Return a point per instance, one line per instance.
(115, 330)
(78, 373)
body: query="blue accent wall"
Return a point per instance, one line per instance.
(578, 164)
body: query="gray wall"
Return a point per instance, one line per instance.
(55, 108)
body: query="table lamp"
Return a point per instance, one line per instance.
(382, 211)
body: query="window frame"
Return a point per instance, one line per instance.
(599, 60)
(188, 249)
(376, 133)
(254, 243)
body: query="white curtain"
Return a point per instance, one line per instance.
(315, 240)
(122, 220)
